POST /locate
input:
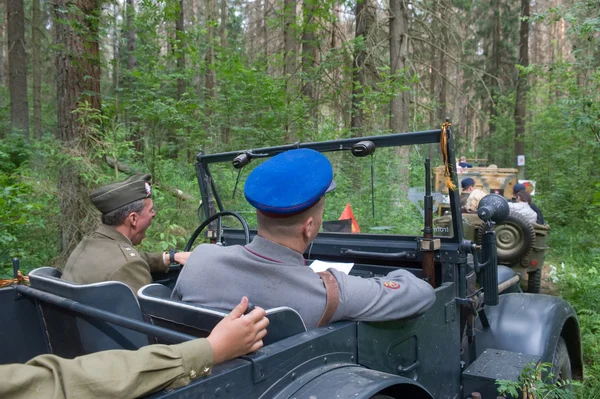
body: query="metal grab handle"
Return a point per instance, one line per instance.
(404, 370)
(381, 255)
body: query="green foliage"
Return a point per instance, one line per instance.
(575, 267)
(28, 206)
(537, 382)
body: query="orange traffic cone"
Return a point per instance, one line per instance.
(348, 214)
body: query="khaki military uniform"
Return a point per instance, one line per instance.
(108, 255)
(463, 199)
(109, 374)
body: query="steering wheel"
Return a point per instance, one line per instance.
(218, 215)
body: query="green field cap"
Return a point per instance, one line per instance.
(115, 195)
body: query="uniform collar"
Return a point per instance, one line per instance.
(272, 251)
(112, 233)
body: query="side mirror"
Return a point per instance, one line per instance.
(493, 207)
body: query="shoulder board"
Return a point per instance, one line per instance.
(129, 251)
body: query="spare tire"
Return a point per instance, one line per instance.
(514, 239)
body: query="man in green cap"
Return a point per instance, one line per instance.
(108, 254)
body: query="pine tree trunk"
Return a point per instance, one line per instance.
(209, 59)
(115, 45)
(2, 47)
(180, 35)
(521, 98)
(399, 110)
(130, 27)
(77, 80)
(290, 22)
(36, 68)
(223, 24)
(495, 70)
(17, 68)
(265, 32)
(309, 49)
(399, 116)
(443, 73)
(225, 128)
(364, 21)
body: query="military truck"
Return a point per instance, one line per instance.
(476, 332)
(489, 179)
(521, 245)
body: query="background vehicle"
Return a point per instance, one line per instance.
(470, 337)
(489, 179)
(521, 245)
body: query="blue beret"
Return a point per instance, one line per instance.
(518, 187)
(467, 182)
(290, 182)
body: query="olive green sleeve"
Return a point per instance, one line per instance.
(135, 274)
(109, 374)
(155, 261)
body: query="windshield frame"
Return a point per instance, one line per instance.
(213, 204)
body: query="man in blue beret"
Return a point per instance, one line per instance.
(109, 254)
(288, 192)
(521, 187)
(467, 185)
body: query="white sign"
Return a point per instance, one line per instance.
(520, 160)
(321, 266)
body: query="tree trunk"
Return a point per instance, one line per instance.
(265, 32)
(197, 80)
(77, 80)
(521, 98)
(180, 54)
(130, 27)
(364, 22)
(115, 45)
(223, 24)
(17, 68)
(210, 78)
(309, 50)
(225, 127)
(443, 73)
(2, 46)
(290, 22)
(399, 110)
(495, 70)
(36, 68)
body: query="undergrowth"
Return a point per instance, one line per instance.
(575, 266)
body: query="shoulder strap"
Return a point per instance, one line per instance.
(333, 297)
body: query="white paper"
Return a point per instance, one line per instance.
(321, 266)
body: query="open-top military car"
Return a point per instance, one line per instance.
(476, 332)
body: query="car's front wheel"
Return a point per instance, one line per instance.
(561, 363)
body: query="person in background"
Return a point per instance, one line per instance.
(521, 207)
(463, 163)
(473, 201)
(467, 185)
(521, 187)
(131, 374)
(109, 254)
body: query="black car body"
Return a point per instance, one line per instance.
(470, 337)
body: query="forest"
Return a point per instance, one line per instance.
(93, 90)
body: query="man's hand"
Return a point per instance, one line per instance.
(235, 335)
(182, 257)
